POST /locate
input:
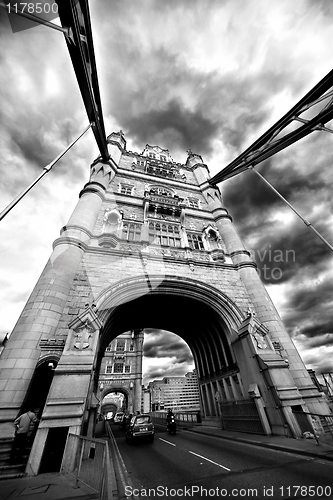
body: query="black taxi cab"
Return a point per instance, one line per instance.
(140, 427)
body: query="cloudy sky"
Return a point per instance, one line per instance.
(210, 75)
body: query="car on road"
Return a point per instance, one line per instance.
(140, 427)
(118, 416)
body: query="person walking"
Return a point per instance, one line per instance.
(24, 423)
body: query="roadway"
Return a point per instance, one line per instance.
(192, 465)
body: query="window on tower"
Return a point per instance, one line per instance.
(195, 241)
(131, 231)
(193, 202)
(163, 202)
(120, 345)
(118, 368)
(162, 169)
(126, 188)
(164, 234)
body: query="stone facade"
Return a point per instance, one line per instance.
(121, 370)
(150, 244)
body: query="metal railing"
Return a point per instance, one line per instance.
(241, 415)
(182, 418)
(321, 426)
(88, 461)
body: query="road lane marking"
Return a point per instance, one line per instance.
(208, 460)
(172, 444)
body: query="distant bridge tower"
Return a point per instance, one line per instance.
(121, 370)
(150, 244)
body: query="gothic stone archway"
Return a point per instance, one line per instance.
(234, 357)
(113, 389)
(231, 348)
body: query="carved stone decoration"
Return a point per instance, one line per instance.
(260, 340)
(258, 332)
(54, 344)
(158, 152)
(251, 312)
(83, 331)
(218, 255)
(277, 346)
(193, 158)
(82, 336)
(100, 167)
(112, 216)
(108, 241)
(112, 220)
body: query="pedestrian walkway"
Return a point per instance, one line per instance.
(302, 446)
(55, 486)
(51, 486)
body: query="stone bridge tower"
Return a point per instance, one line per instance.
(121, 370)
(151, 245)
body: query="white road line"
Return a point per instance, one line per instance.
(172, 444)
(208, 460)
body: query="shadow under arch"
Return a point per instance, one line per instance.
(40, 383)
(204, 317)
(129, 289)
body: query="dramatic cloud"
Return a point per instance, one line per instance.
(207, 75)
(165, 355)
(160, 343)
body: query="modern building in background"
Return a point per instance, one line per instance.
(145, 405)
(176, 393)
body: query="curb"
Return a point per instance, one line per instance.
(120, 467)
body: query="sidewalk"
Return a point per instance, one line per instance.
(51, 486)
(55, 486)
(307, 447)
